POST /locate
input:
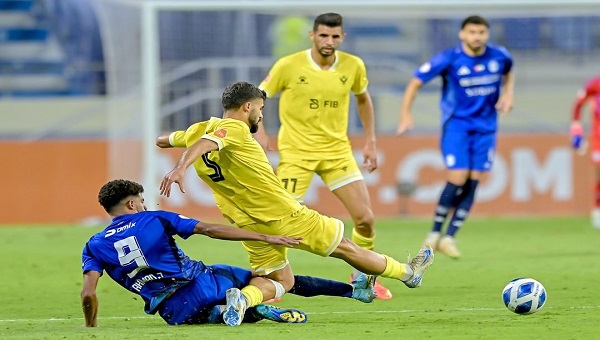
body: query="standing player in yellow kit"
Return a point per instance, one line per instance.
(315, 88)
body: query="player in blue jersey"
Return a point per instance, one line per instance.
(138, 251)
(477, 82)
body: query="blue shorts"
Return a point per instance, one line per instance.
(192, 303)
(468, 150)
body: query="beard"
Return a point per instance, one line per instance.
(329, 53)
(476, 48)
(253, 127)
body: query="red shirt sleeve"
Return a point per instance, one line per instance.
(592, 89)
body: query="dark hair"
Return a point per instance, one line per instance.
(329, 20)
(115, 191)
(236, 94)
(476, 20)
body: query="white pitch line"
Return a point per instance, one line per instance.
(317, 313)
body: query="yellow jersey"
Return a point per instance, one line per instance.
(239, 173)
(314, 103)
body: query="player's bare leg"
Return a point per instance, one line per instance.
(269, 288)
(357, 201)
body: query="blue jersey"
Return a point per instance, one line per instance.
(471, 85)
(139, 252)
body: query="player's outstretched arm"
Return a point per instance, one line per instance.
(190, 155)
(406, 120)
(89, 299)
(223, 232)
(162, 141)
(583, 96)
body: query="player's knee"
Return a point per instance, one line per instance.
(285, 279)
(364, 221)
(287, 283)
(280, 290)
(458, 177)
(346, 249)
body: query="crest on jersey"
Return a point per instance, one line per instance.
(221, 133)
(493, 66)
(302, 80)
(479, 68)
(343, 79)
(463, 71)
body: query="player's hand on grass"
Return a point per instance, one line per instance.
(174, 176)
(283, 240)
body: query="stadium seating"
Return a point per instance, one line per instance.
(53, 47)
(573, 34)
(49, 48)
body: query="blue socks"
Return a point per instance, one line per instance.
(464, 203)
(460, 198)
(447, 199)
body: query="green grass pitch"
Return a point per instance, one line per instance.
(460, 299)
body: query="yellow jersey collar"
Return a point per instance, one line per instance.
(317, 67)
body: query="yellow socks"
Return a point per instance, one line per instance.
(362, 241)
(396, 270)
(253, 295)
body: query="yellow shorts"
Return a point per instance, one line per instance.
(296, 175)
(321, 236)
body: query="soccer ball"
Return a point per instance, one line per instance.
(524, 296)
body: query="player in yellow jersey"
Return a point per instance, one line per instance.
(315, 86)
(227, 157)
